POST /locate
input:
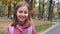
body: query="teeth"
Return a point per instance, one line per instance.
(22, 16)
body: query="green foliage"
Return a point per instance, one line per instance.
(18, 0)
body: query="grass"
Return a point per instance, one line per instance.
(1, 32)
(40, 28)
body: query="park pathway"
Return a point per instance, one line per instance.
(55, 30)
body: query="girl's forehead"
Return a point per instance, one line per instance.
(23, 8)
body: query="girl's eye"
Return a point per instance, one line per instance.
(25, 12)
(20, 11)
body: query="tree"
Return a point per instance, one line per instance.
(39, 10)
(18, 0)
(8, 4)
(50, 14)
(58, 8)
(43, 8)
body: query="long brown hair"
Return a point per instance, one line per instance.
(15, 20)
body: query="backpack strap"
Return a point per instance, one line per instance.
(30, 30)
(11, 29)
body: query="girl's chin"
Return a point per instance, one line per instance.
(21, 20)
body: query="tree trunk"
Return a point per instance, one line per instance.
(43, 9)
(59, 14)
(39, 10)
(50, 11)
(9, 10)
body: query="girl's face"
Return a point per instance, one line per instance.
(22, 13)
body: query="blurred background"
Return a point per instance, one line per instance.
(42, 12)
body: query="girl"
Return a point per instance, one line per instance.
(21, 23)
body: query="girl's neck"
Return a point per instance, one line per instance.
(21, 23)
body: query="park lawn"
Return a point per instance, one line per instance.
(1, 32)
(40, 28)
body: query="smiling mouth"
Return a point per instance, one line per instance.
(22, 17)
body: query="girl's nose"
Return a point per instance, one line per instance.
(23, 14)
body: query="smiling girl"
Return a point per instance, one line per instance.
(22, 21)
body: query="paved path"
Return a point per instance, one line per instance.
(55, 30)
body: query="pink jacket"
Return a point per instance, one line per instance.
(20, 30)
